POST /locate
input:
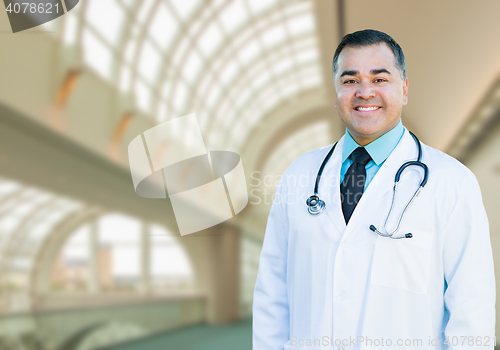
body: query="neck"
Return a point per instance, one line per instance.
(364, 140)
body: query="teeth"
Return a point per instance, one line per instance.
(366, 108)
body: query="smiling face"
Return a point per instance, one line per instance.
(370, 91)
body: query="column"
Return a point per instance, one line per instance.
(145, 260)
(224, 290)
(93, 285)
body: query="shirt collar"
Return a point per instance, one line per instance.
(378, 149)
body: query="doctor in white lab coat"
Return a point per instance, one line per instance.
(323, 284)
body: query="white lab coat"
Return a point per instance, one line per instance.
(321, 283)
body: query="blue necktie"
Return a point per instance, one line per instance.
(351, 188)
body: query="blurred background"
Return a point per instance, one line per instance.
(85, 263)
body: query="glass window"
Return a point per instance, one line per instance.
(179, 53)
(283, 65)
(128, 3)
(261, 41)
(143, 96)
(149, 62)
(300, 25)
(229, 72)
(311, 81)
(162, 113)
(273, 35)
(70, 271)
(70, 28)
(233, 16)
(145, 8)
(210, 39)
(181, 94)
(170, 266)
(289, 90)
(192, 67)
(257, 6)
(130, 50)
(7, 187)
(213, 95)
(184, 8)
(119, 241)
(313, 136)
(249, 52)
(306, 56)
(163, 27)
(97, 55)
(106, 17)
(261, 79)
(125, 79)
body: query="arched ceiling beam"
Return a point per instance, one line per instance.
(270, 130)
(52, 245)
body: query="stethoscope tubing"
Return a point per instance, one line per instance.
(317, 206)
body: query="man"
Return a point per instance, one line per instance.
(328, 280)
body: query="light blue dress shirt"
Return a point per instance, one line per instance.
(378, 149)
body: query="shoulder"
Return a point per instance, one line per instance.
(445, 167)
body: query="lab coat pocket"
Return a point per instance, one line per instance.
(403, 263)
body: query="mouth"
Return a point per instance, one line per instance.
(367, 109)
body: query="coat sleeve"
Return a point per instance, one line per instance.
(469, 295)
(271, 317)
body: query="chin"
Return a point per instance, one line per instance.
(370, 129)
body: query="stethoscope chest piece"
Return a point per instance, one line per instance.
(315, 205)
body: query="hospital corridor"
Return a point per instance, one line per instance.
(86, 262)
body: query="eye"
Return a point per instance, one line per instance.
(380, 80)
(350, 81)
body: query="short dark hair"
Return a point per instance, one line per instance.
(371, 37)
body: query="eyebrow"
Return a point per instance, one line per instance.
(380, 70)
(373, 72)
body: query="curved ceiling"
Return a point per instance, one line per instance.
(229, 61)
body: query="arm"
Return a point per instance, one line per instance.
(271, 316)
(468, 271)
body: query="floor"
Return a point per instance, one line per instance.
(236, 336)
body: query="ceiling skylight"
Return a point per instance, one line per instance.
(219, 58)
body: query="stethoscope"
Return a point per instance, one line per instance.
(317, 206)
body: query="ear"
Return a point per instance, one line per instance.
(405, 92)
(335, 103)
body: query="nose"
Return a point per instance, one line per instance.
(365, 91)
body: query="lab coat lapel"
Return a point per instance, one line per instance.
(331, 187)
(383, 181)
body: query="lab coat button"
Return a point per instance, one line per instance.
(347, 243)
(341, 297)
